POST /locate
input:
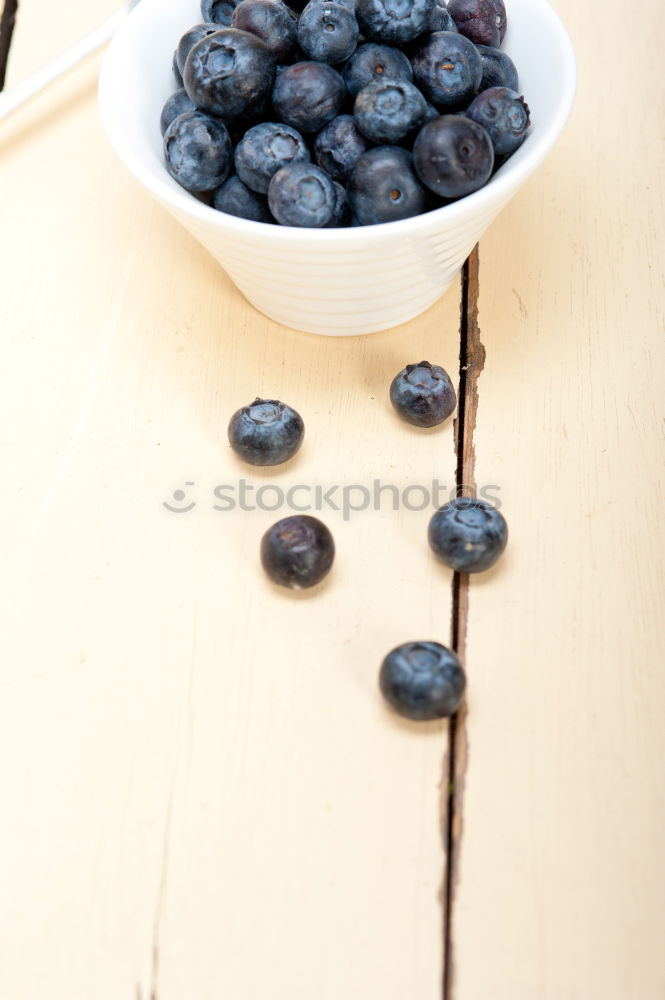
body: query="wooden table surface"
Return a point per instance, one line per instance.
(203, 795)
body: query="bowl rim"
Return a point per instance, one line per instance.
(488, 197)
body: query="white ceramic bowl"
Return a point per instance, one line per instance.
(333, 281)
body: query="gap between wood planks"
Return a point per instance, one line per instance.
(472, 361)
(7, 22)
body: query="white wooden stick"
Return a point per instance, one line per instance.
(12, 99)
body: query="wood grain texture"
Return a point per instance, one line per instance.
(204, 794)
(561, 877)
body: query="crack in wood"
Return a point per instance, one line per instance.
(7, 23)
(472, 361)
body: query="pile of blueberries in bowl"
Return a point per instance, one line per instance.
(341, 112)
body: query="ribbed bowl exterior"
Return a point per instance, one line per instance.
(334, 282)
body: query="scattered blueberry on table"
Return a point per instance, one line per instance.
(423, 394)
(267, 432)
(370, 87)
(468, 535)
(297, 552)
(422, 681)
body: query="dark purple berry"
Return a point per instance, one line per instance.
(447, 68)
(453, 156)
(382, 187)
(297, 552)
(483, 21)
(271, 21)
(499, 70)
(338, 147)
(375, 62)
(235, 198)
(189, 40)
(308, 95)
(423, 394)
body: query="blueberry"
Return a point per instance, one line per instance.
(189, 40)
(327, 32)
(339, 146)
(453, 156)
(176, 105)
(382, 187)
(468, 535)
(441, 19)
(198, 151)
(394, 20)
(341, 210)
(271, 21)
(422, 681)
(387, 110)
(176, 72)
(375, 62)
(235, 198)
(218, 11)
(266, 432)
(308, 95)
(297, 552)
(447, 68)
(499, 70)
(264, 149)
(483, 21)
(229, 73)
(301, 194)
(504, 115)
(423, 394)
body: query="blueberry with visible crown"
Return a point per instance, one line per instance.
(422, 681)
(297, 552)
(504, 115)
(302, 194)
(189, 40)
(327, 31)
(386, 111)
(265, 149)
(218, 11)
(229, 73)
(423, 394)
(267, 432)
(198, 151)
(394, 21)
(468, 535)
(453, 156)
